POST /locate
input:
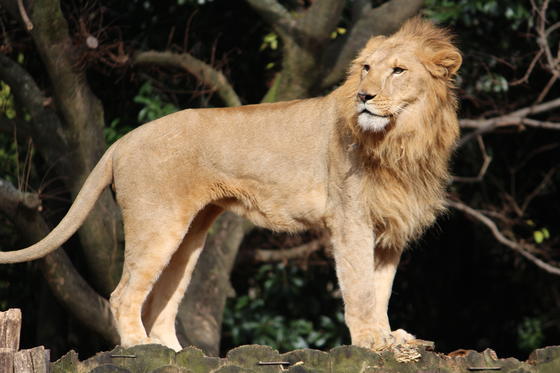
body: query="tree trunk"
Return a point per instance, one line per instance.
(82, 130)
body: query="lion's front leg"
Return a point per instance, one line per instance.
(386, 263)
(354, 258)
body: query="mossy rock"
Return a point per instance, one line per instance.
(263, 359)
(307, 360)
(252, 356)
(546, 359)
(352, 359)
(195, 361)
(109, 368)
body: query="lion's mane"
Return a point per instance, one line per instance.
(408, 162)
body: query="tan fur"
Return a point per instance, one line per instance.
(370, 180)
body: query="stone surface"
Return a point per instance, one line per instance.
(263, 359)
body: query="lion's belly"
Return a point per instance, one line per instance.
(281, 212)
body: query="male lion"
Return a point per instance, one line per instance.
(368, 163)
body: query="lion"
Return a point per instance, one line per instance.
(368, 163)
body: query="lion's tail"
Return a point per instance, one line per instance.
(99, 178)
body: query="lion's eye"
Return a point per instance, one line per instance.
(366, 68)
(398, 70)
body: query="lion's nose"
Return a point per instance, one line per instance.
(364, 97)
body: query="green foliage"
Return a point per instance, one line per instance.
(492, 82)
(282, 310)
(153, 106)
(470, 12)
(530, 334)
(270, 40)
(337, 32)
(7, 106)
(115, 131)
(8, 157)
(153, 103)
(540, 235)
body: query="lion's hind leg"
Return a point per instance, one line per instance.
(160, 309)
(151, 238)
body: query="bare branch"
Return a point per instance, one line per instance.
(548, 86)
(545, 181)
(24, 16)
(512, 118)
(542, 35)
(287, 254)
(541, 124)
(532, 65)
(552, 28)
(486, 160)
(516, 118)
(552, 63)
(518, 247)
(211, 77)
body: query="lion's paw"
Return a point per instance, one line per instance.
(382, 341)
(402, 337)
(385, 341)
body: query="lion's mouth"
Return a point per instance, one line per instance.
(366, 111)
(370, 121)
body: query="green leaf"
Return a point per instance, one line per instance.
(538, 236)
(269, 41)
(10, 113)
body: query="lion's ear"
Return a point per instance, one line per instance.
(444, 63)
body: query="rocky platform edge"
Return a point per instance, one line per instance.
(343, 359)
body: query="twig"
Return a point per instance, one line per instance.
(532, 65)
(486, 160)
(552, 64)
(516, 246)
(541, 124)
(24, 16)
(274, 363)
(545, 181)
(547, 87)
(123, 356)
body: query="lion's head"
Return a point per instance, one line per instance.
(399, 100)
(400, 75)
